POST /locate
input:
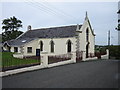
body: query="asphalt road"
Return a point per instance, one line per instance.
(92, 74)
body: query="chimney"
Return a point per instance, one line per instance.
(77, 29)
(29, 27)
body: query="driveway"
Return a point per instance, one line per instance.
(90, 74)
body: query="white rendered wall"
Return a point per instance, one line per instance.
(60, 45)
(34, 44)
(12, 49)
(83, 41)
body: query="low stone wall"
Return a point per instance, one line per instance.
(18, 55)
(61, 63)
(105, 56)
(44, 64)
(44, 60)
(15, 71)
(86, 59)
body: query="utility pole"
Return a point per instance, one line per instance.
(109, 38)
(108, 42)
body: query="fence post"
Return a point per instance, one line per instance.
(44, 59)
(83, 56)
(74, 57)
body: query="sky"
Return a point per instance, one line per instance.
(43, 14)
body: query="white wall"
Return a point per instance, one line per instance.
(12, 49)
(34, 44)
(83, 41)
(60, 46)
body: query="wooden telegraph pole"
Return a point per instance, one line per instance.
(109, 38)
(109, 42)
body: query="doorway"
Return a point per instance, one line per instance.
(37, 52)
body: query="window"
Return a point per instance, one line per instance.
(41, 46)
(87, 35)
(23, 41)
(15, 49)
(87, 48)
(29, 49)
(52, 46)
(69, 46)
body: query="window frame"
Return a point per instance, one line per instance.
(41, 45)
(87, 34)
(29, 49)
(69, 46)
(15, 49)
(52, 47)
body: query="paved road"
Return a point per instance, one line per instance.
(92, 74)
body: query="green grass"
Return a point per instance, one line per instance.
(7, 60)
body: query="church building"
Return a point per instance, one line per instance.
(55, 40)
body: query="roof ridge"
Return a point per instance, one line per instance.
(54, 27)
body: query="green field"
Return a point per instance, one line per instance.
(7, 60)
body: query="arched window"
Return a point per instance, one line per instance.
(52, 46)
(87, 35)
(69, 46)
(87, 48)
(41, 46)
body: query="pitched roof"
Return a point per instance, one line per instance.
(19, 42)
(54, 32)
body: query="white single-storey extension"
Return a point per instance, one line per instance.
(55, 40)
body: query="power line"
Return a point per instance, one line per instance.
(48, 10)
(44, 10)
(52, 10)
(36, 7)
(59, 11)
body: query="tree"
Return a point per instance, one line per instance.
(10, 27)
(118, 27)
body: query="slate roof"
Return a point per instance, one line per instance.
(19, 42)
(54, 32)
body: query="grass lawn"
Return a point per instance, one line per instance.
(7, 59)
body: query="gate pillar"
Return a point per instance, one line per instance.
(44, 58)
(84, 56)
(74, 57)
